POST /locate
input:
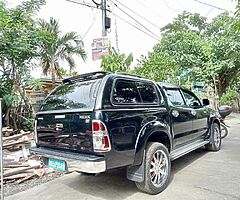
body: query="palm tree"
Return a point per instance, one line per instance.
(55, 47)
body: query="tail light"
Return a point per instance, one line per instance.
(228, 108)
(101, 141)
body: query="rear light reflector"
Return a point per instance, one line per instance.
(106, 142)
(101, 141)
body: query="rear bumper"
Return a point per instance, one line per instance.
(75, 161)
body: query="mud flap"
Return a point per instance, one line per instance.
(136, 173)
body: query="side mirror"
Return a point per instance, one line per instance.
(195, 104)
(205, 102)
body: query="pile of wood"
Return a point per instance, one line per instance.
(18, 164)
(15, 139)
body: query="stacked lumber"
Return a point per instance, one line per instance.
(22, 171)
(15, 138)
(18, 164)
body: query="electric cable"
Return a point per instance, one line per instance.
(177, 11)
(83, 4)
(153, 11)
(116, 33)
(138, 14)
(136, 20)
(210, 11)
(87, 5)
(94, 19)
(213, 6)
(136, 27)
(98, 4)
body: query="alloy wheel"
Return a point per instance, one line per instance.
(159, 168)
(217, 136)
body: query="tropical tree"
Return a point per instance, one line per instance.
(158, 66)
(236, 24)
(56, 47)
(19, 38)
(116, 62)
(208, 52)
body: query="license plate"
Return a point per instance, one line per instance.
(57, 164)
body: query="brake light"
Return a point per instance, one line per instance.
(96, 126)
(101, 141)
(228, 108)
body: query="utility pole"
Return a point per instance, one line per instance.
(104, 15)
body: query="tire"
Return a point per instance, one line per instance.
(224, 131)
(215, 140)
(155, 153)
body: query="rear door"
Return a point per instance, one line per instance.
(181, 117)
(70, 131)
(134, 104)
(64, 119)
(200, 120)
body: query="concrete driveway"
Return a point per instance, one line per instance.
(198, 175)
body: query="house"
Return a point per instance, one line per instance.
(37, 97)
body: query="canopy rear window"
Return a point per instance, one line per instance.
(72, 96)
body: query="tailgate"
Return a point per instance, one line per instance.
(70, 131)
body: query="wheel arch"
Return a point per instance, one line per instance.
(156, 134)
(216, 120)
(212, 119)
(161, 137)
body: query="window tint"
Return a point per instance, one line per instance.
(175, 97)
(190, 99)
(72, 96)
(147, 92)
(126, 92)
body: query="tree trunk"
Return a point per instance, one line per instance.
(238, 104)
(8, 110)
(6, 117)
(53, 76)
(219, 89)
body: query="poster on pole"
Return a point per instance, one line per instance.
(100, 47)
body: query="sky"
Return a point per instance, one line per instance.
(153, 14)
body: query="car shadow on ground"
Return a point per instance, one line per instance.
(182, 162)
(110, 185)
(114, 184)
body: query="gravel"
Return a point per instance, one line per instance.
(13, 188)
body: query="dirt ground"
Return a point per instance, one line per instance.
(14, 187)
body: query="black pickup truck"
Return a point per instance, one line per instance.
(99, 121)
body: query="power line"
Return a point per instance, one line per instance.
(98, 4)
(210, 11)
(116, 33)
(136, 27)
(153, 11)
(83, 4)
(170, 8)
(213, 6)
(138, 14)
(136, 21)
(116, 28)
(94, 19)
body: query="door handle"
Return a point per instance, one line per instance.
(193, 112)
(175, 113)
